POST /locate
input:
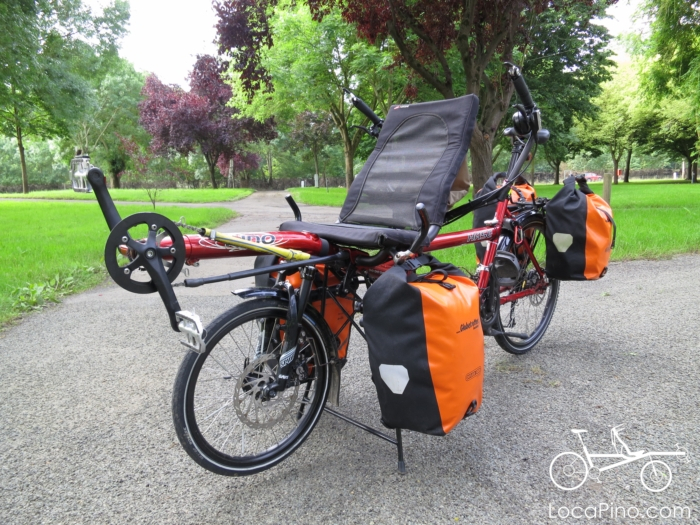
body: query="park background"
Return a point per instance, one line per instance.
(218, 99)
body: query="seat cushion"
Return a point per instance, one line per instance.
(354, 234)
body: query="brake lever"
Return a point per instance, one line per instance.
(362, 128)
(373, 131)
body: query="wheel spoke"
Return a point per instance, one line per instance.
(530, 314)
(231, 422)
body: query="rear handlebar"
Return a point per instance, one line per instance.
(520, 86)
(364, 108)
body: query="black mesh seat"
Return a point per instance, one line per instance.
(416, 160)
(355, 234)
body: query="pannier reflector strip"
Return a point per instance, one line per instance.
(562, 241)
(395, 377)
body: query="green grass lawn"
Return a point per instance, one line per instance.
(654, 218)
(170, 195)
(319, 196)
(45, 239)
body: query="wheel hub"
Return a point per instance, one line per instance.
(256, 405)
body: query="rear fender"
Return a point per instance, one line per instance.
(520, 218)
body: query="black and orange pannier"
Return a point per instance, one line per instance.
(580, 233)
(336, 314)
(426, 346)
(520, 192)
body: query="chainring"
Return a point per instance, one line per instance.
(159, 229)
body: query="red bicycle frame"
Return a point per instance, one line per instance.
(199, 247)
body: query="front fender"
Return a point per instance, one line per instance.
(255, 293)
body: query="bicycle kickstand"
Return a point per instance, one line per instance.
(399, 446)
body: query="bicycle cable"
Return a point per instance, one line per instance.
(181, 224)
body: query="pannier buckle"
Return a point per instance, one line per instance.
(191, 325)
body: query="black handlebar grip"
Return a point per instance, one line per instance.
(97, 181)
(523, 92)
(364, 108)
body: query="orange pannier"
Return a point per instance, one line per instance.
(520, 192)
(580, 233)
(426, 346)
(336, 316)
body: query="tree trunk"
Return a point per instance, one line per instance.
(481, 154)
(212, 174)
(349, 153)
(22, 160)
(627, 165)
(616, 164)
(116, 181)
(694, 180)
(556, 173)
(269, 166)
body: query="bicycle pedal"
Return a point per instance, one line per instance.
(191, 326)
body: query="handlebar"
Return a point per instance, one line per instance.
(520, 86)
(362, 106)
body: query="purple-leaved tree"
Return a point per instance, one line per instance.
(200, 118)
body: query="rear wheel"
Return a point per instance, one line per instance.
(523, 317)
(222, 416)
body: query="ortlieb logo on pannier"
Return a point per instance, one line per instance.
(580, 233)
(426, 346)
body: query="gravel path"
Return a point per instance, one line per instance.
(86, 434)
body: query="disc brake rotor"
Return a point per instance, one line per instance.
(250, 403)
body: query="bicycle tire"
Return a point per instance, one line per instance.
(209, 399)
(566, 464)
(662, 478)
(533, 228)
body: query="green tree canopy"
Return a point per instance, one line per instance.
(52, 49)
(565, 67)
(112, 114)
(310, 64)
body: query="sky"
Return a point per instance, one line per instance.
(165, 36)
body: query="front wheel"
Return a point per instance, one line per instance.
(526, 308)
(222, 416)
(656, 476)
